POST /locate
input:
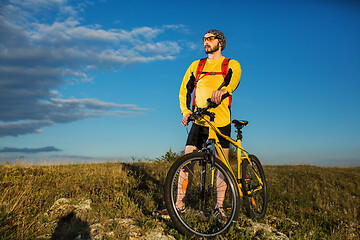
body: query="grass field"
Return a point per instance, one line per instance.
(305, 202)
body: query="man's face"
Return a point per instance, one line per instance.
(211, 46)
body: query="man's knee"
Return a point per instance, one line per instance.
(190, 149)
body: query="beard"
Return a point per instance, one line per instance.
(212, 50)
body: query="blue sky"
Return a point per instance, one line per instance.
(99, 80)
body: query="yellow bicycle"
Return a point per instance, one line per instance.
(204, 178)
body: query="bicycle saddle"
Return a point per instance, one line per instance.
(240, 123)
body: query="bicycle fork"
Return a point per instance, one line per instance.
(212, 166)
(209, 158)
(207, 189)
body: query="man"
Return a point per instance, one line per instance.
(207, 86)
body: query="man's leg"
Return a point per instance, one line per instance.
(221, 185)
(185, 178)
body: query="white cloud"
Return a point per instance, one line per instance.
(22, 127)
(159, 48)
(39, 52)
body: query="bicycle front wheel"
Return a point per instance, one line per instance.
(254, 187)
(210, 207)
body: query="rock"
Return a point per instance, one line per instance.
(157, 234)
(64, 216)
(265, 229)
(64, 206)
(61, 208)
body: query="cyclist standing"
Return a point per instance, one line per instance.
(209, 81)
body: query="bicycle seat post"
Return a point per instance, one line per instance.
(239, 125)
(239, 134)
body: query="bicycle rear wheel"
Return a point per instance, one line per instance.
(201, 216)
(254, 188)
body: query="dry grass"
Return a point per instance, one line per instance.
(306, 202)
(27, 192)
(324, 201)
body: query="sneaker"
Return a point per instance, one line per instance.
(220, 214)
(181, 210)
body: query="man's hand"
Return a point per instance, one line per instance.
(216, 95)
(184, 121)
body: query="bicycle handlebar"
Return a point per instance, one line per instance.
(204, 111)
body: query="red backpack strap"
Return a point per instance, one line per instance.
(198, 73)
(225, 67)
(200, 69)
(224, 71)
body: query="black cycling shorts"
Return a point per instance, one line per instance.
(199, 134)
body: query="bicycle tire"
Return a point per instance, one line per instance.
(198, 219)
(255, 202)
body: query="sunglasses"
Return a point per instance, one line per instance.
(209, 39)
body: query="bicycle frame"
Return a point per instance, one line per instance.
(242, 155)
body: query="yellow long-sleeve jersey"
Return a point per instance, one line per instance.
(206, 85)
